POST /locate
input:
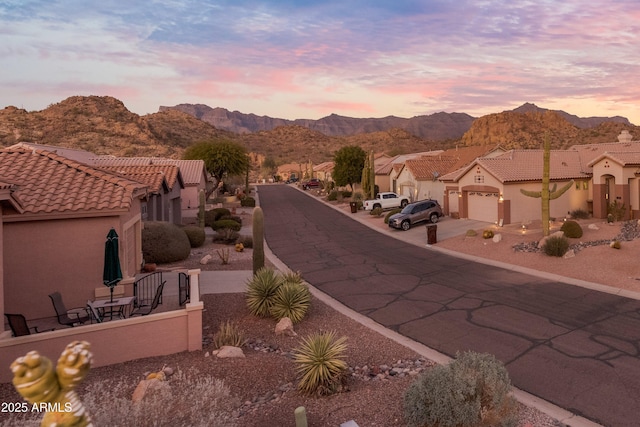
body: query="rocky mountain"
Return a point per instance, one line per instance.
(104, 125)
(434, 127)
(579, 122)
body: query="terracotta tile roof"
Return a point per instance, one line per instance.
(49, 183)
(324, 167)
(386, 168)
(590, 152)
(81, 156)
(151, 175)
(192, 171)
(623, 158)
(429, 168)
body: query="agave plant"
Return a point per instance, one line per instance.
(228, 334)
(320, 363)
(291, 300)
(261, 289)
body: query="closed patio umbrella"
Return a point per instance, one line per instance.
(112, 273)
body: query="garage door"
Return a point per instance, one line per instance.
(453, 201)
(483, 206)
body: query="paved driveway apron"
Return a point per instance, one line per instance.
(575, 347)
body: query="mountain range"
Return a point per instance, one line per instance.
(103, 125)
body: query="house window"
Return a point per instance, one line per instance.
(478, 179)
(585, 185)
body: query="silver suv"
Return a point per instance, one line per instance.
(424, 210)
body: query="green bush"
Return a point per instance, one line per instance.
(291, 300)
(332, 196)
(226, 223)
(471, 233)
(346, 194)
(487, 234)
(391, 212)
(216, 214)
(248, 201)
(226, 236)
(319, 362)
(247, 241)
(617, 210)
(556, 246)
(579, 214)
(376, 212)
(472, 390)
(196, 235)
(571, 229)
(163, 242)
(261, 289)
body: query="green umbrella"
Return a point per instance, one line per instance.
(112, 273)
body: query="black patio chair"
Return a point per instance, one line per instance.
(94, 313)
(20, 327)
(68, 317)
(147, 309)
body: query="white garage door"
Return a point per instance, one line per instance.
(483, 206)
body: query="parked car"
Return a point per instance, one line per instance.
(386, 200)
(292, 180)
(413, 213)
(312, 183)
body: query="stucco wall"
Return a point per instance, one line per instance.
(44, 256)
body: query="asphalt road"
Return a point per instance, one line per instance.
(575, 347)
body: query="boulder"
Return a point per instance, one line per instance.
(205, 259)
(285, 327)
(497, 238)
(593, 227)
(147, 386)
(229, 352)
(570, 254)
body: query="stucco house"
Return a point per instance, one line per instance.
(164, 189)
(323, 171)
(489, 188)
(56, 214)
(193, 173)
(387, 170)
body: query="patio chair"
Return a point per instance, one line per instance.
(94, 313)
(147, 309)
(19, 326)
(68, 317)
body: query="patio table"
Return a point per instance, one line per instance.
(121, 306)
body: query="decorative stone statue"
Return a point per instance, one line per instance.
(52, 391)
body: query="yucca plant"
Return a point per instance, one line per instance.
(228, 334)
(261, 289)
(320, 363)
(291, 300)
(291, 277)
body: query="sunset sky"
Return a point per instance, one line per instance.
(307, 59)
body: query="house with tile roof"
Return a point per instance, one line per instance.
(193, 173)
(323, 171)
(164, 189)
(387, 169)
(489, 188)
(56, 214)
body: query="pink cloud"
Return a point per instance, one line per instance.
(328, 107)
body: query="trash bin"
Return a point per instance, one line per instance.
(432, 233)
(354, 207)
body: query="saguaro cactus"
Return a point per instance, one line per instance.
(258, 239)
(201, 203)
(547, 194)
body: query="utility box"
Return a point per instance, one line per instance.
(432, 234)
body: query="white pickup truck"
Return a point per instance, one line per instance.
(386, 200)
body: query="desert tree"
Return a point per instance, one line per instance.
(349, 162)
(221, 157)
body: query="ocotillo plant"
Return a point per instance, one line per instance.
(201, 202)
(258, 239)
(366, 176)
(547, 194)
(372, 175)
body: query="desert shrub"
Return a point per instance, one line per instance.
(616, 210)
(332, 196)
(163, 242)
(472, 390)
(226, 223)
(615, 244)
(196, 235)
(235, 218)
(291, 300)
(226, 236)
(579, 214)
(319, 362)
(346, 194)
(248, 201)
(487, 234)
(214, 215)
(247, 241)
(471, 233)
(228, 334)
(290, 276)
(571, 229)
(556, 246)
(391, 212)
(261, 289)
(376, 212)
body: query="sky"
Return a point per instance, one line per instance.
(308, 59)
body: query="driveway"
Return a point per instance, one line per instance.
(574, 347)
